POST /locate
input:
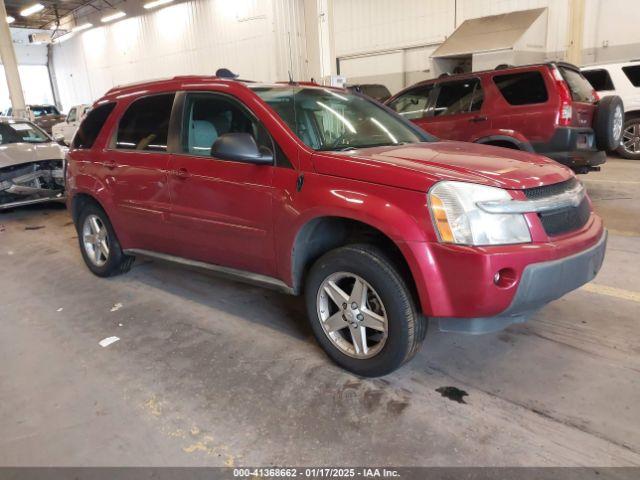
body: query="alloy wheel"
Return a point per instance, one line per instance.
(631, 139)
(352, 315)
(618, 121)
(95, 240)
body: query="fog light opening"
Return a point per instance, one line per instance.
(505, 278)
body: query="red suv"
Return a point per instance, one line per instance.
(549, 109)
(321, 192)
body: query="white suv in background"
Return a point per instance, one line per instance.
(622, 79)
(64, 131)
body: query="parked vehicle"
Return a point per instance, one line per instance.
(31, 165)
(376, 91)
(549, 109)
(623, 80)
(64, 131)
(317, 191)
(44, 116)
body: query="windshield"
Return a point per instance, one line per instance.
(41, 110)
(328, 120)
(21, 132)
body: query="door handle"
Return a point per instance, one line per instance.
(110, 164)
(181, 173)
(477, 119)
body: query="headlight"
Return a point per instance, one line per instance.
(459, 220)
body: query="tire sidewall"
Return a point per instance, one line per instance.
(621, 150)
(394, 296)
(604, 123)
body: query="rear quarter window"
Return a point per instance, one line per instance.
(633, 74)
(523, 88)
(600, 80)
(91, 126)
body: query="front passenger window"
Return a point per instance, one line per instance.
(209, 116)
(145, 124)
(461, 96)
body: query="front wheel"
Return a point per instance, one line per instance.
(362, 312)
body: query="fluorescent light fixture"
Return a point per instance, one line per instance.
(84, 26)
(156, 3)
(10, 19)
(32, 9)
(63, 38)
(113, 16)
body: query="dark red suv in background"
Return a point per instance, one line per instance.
(549, 109)
(321, 192)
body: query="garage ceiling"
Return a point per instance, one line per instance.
(53, 11)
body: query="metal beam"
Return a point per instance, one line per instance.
(8, 56)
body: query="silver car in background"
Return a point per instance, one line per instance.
(31, 165)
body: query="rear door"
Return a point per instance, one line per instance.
(456, 112)
(134, 168)
(221, 210)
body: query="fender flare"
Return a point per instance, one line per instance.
(521, 144)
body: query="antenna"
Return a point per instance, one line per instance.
(290, 59)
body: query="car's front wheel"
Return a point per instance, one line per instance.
(99, 245)
(362, 312)
(630, 144)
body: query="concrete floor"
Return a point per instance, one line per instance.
(211, 372)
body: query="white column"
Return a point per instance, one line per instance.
(8, 56)
(575, 32)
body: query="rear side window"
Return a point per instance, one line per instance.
(524, 88)
(91, 126)
(600, 80)
(412, 104)
(581, 89)
(145, 124)
(633, 74)
(459, 97)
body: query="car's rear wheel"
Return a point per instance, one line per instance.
(362, 312)
(99, 245)
(630, 144)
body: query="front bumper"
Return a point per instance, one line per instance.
(540, 284)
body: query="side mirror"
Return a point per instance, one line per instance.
(60, 140)
(241, 147)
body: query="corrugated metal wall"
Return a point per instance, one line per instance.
(259, 39)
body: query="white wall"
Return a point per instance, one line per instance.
(371, 28)
(251, 37)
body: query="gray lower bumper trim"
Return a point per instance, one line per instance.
(540, 284)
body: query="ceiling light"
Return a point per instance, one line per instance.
(84, 26)
(10, 19)
(156, 3)
(63, 37)
(113, 16)
(32, 9)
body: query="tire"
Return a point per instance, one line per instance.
(608, 122)
(630, 137)
(114, 262)
(387, 297)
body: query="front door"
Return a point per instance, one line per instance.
(221, 210)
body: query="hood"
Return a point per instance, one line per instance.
(417, 166)
(17, 153)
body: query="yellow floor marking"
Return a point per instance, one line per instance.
(597, 180)
(612, 292)
(623, 233)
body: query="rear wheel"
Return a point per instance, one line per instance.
(361, 311)
(630, 144)
(99, 245)
(608, 122)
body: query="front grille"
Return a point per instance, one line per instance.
(550, 190)
(563, 220)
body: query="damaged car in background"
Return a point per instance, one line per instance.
(31, 165)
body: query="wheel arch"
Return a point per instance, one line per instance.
(322, 234)
(507, 142)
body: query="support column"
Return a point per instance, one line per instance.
(575, 33)
(8, 56)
